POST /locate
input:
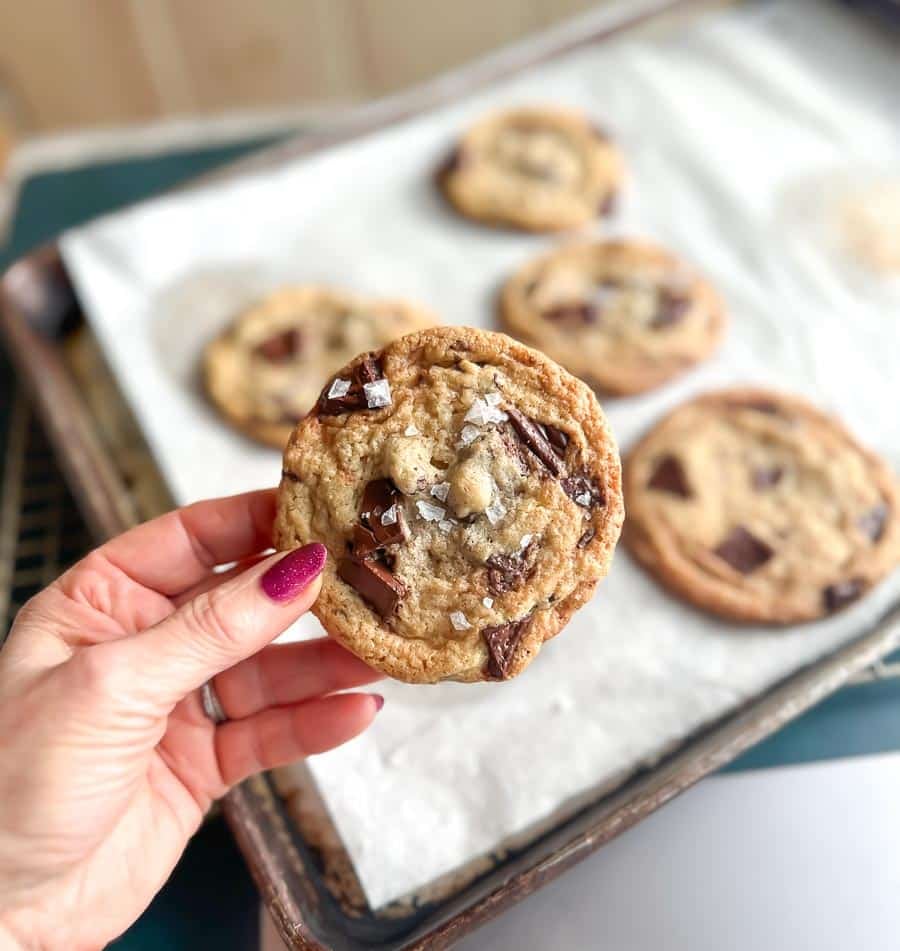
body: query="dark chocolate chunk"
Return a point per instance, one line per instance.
(368, 371)
(282, 347)
(608, 204)
(373, 583)
(670, 309)
(507, 572)
(528, 431)
(583, 491)
(557, 438)
(743, 551)
(572, 315)
(668, 476)
(841, 593)
(502, 642)
(586, 538)
(873, 522)
(379, 496)
(765, 477)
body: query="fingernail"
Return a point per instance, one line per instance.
(294, 572)
(379, 701)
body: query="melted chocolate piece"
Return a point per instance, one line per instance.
(583, 491)
(507, 572)
(282, 347)
(378, 497)
(765, 478)
(557, 438)
(368, 371)
(373, 583)
(502, 642)
(670, 310)
(533, 437)
(586, 538)
(841, 593)
(365, 544)
(873, 522)
(572, 315)
(669, 477)
(743, 551)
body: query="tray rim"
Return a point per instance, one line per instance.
(103, 499)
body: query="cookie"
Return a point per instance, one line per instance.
(265, 371)
(533, 169)
(623, 315)
(758, 507)
(468, 492)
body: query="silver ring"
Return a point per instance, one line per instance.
(211, 705)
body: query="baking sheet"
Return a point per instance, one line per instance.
(723, 125)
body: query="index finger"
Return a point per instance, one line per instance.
(179, 549)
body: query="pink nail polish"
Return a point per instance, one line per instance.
(379, 701)
(294, 572)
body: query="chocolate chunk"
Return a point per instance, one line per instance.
(765, 477)
(670, 309)
(743, 551)
(379, 496)
(572, 315)
(507, 572)
(502, 642)
(873, 522)
(557, 438)
(608, 204)
(528, 431)
(365, 544)
(669, 477)
(290, 476)
(368, 371)
(841, 593)
(586, 538)
(373, 583)
(282, 347)
(583, 491)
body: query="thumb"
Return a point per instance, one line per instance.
(221, 626)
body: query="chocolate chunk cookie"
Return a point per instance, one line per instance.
(625, 316)
(533, 169)
(468, 491)
(756, 506)
(265, 371)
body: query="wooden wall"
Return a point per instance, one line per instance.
(86, 62)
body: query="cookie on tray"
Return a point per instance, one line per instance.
(537, 169)
(624, 315)
(756, 506)
(265, 371)
(468, 491)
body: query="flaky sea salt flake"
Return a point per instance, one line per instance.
(411, 430)
(493, 399)
(584, 498)
(378, 394)
(445, 524)
(495, 511)
(430, 512)
(389, 516)
(525, 541)
(487, 602)
(459, 621)
(338, 389)
(468, 435)
(441, 490)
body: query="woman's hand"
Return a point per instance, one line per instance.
(107, 760)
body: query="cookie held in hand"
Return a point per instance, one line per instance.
(468, 491)
(537, 169)
(624, 315)
(265, 371)
(756, 506)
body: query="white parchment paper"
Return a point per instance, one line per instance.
(723, 125)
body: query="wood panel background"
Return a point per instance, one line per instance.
(73, 63)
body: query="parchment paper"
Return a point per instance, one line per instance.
(723, 126)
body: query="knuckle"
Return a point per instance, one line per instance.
(211, 615)
(101, 671)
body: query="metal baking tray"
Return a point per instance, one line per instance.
(116, 484)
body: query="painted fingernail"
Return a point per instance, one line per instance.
(294, 572)
(379, 701)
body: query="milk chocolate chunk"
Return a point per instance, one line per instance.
(873, 522)
(373, 583)
(583, 491)
(668, 476)
(380, 513)
(743, 550)
(502, 642)
(766, 476)
(365, 544)
(670, 310)
(282, 347)
(528, 431)
(507, 572)
(368, 371)
(557, 438)
(841, 593)
(572, 315)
